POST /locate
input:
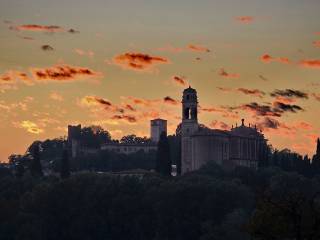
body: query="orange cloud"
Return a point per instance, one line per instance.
(245, 19)
(285, 100)
(219, 125)
(313, 63)
(316, 44)
(266, 58)
(144, 102)
(138, 61)
(225, 74)
(304, 125)
(9, 80)
(130, 108)
(56, 96)
(316, 96)
(38, 28)
(198, 48)
(31, 127)
(179, 80)
(63, 73)
(84, 53)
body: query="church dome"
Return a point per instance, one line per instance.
(246, 131)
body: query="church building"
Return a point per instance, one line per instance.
(241, 146)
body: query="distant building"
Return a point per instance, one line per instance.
(77, 148)
(126, 148)
(158, 126)
(242, 146)
(74, 140)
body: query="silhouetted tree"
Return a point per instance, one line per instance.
(163, 160)
(65, 166)
(175, 151)
(35, 165)
(19, 170)
(133, 139)
(316, 158)
(94, 136)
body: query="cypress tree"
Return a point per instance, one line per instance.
(163, 161)
(64, 165)
(316, 157)
(35, 167)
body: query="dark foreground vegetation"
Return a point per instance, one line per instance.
(208, 204)
(46, 195)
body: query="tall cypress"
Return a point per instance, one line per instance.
(35, 167)
(64, 165)
(316, 157)
(163, 161)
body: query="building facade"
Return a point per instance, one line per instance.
(125, 148)
(241, 146)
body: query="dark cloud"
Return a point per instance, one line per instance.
(269, 123)
(283, 107)
(138, 61)
(263, 78)
(252, 92)
(198, 48)
(170, 100)
(128, 118)
(47, 48)
(268, 110)
(103, 102)
(260, 110)
(73, 31)
(180, 80)
(290, 93)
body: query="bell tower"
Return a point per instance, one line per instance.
(188, 127)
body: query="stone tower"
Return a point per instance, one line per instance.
(74, 138)
(189, 126)
(158, 126)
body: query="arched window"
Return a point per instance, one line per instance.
(194, 113)
(187, 113)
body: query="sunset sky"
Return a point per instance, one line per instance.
(120, 63)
